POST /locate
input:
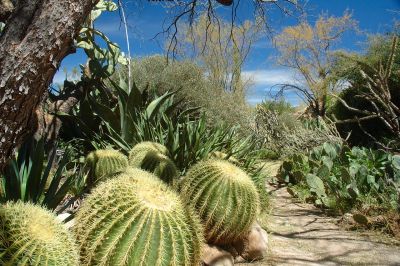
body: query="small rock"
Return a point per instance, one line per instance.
(214, 256)
(63, 216)
(254, 245)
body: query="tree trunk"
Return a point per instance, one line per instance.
(38, 35)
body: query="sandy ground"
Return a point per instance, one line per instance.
(300, 234)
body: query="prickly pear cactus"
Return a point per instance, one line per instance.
(224, 196)
(105, 163)
(156, 163)
(31, 235)
(148, 146)
(135, 219)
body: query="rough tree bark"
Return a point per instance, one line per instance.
(38, 35)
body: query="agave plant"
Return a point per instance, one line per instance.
(28, 176)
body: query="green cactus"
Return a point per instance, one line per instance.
(223, 156)
(135, 219)
(316, 185)
(156, 163)
(224, 196)
(105, 163)
(148, 146)
(31, 235)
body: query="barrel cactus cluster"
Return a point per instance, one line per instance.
(135, 215)
(31, 235)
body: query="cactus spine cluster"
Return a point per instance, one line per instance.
(223, 156)
(31, 235)
(135, 219)
(156, 163)
(147, 146)
(225, 198)
(105, 163)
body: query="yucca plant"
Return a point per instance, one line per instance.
(28, 176)
(135, 219)
(31, 235)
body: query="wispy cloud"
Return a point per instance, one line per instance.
(269, 77)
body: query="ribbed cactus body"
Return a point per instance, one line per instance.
(155, 162)
(105, 163)
(223, 156)
(225, 198)
(135, 219)
(148, 146)
(31, 235)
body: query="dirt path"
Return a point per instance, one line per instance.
(300, 234)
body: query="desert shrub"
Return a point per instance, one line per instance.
(193, 88)
(283, 134)
(341, 178)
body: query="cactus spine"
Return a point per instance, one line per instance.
(135, 219)
(224, 196)
(105, 163)
(148, 146)
(156, 163)
(222, 156)
(31, 235)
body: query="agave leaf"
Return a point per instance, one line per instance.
(156, 104)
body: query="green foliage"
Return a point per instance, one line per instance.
(105, 163)
(28, 176)
(31, 235)
(224, 196)
(340, 177)
(135, 219)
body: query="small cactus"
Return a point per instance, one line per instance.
(156, 163)
(225, 198)
(105, 163)
(135, 219)
(223, 156)
(148, 146)
(31, 235)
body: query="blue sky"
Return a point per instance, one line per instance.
(146, 19)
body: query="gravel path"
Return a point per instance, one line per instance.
(300, 234)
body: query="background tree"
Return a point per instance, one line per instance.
(221, 48)
(309, 51)
(369, 108)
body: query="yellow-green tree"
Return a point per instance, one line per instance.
(221, 48)
(309, 50)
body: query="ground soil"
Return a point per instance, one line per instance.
(300, 234)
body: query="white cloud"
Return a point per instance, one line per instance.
(269, 77)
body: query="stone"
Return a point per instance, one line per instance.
(215, 256)
(254, 246)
